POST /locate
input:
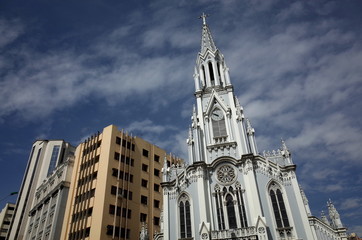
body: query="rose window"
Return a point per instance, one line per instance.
(226, 174)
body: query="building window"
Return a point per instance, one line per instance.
(144, 167)
(229, 197)
(185, 217)
(53, 159)
(156, 203)
(143, 217)
(143, 199)
(116, 156)
(118, 140)
(156, 221)
(144, 183)
(218, 123)
(145, 153)
(231, 211)
(156, 187)
(156, 172)
(132, 147)
(157, 158)
(123, 233)
(280, 212)
(212, 77)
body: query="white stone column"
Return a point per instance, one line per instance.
(222, 80)
(166, 217)
(196, 79)
(227, 76)
(207, 73)
(216, 74)
(207, 132)
(202, 75)
(228, 117)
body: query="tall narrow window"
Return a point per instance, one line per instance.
(212, 77)
(53, 159)
(242, 215)
(182, 220)
(218, 123)
(283, 211)
(279, 210)
(218, 72)
(231, 211)
(204, 76)
(185, 217)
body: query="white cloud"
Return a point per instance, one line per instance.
(10, 30)
(351, 203)
(148, 127)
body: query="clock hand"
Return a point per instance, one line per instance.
(215, 114)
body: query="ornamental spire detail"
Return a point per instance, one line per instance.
(206, 39)
(334, 215)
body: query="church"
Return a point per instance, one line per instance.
(229, 190)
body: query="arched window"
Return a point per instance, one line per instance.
(279, 210)
(211, 71)
(241, 205)
(230, 206)
(185, 217)
(231, 211)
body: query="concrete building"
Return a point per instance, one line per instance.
(44, 158)
(6, 216)
(47, 211)
(230, 190)
(115, 190)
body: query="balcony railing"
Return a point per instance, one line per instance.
(248, 233)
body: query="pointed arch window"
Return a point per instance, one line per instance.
(218, 123)
(230, 207)
(280, 213)
(231, 211)
(212, 76)
(185, 217)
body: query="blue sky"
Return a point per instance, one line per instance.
(70, 68)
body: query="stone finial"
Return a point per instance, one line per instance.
(249, 129)
(144, 232)
(324, 218)
(334, 215)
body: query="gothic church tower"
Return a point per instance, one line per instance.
(228, 190)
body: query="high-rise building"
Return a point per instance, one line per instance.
(46, 214)
(6, 215)
(115, 189)
(229, 190)
(44, 158)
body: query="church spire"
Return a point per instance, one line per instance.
(206, 39)
(211, 71)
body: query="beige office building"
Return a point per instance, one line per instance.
(115, 187)
(6, 215)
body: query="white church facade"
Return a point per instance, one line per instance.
(229, 190)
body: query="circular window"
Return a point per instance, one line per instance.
(226, 174)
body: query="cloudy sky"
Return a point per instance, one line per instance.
(70, 68)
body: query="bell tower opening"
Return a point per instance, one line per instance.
(212, 76)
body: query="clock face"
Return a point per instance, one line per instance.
(217, 115)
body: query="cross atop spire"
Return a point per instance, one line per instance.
(204, 16)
